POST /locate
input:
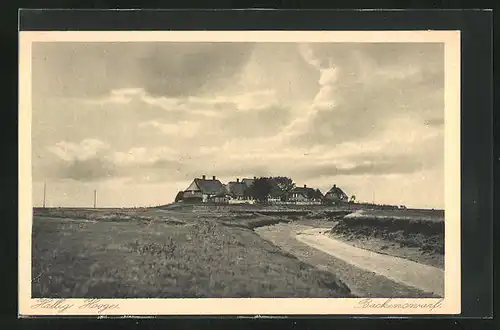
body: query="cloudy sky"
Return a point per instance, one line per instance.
(138, 121)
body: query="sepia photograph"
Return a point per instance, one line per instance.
(244, 172)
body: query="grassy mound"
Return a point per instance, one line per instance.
(134, 259)
(426, 223)
(418, 236)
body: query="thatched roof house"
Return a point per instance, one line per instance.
(204, 190)
(237, 188)
(336, 195)
(304, 193)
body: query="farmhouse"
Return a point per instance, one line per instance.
(335, 195)
(205, 190)
(304, 195)
(237, 190)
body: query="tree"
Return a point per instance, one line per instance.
(260, 189)
(353, 199)
(179, 197)
(282, 184)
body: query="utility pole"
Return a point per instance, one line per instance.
(44, 192)
(95, 198)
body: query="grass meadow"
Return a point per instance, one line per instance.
(154, 253)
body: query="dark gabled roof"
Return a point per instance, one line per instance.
(248, 182)
(305, 191)
(336, 191)
(237, 188)
(212, 187)
(302, 190)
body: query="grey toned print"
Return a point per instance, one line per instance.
(237, 170)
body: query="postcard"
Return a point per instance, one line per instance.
(239, 173)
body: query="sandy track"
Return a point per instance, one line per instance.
(362, 282)
(423, 277)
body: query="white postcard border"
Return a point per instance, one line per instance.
(451, 304)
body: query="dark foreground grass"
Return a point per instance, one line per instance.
(186, 257)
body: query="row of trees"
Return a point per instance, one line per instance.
(272, 186)
(277, 186)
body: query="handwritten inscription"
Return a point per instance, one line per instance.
(60, 305)
(98, 306)
(389, 303)
(64, 305)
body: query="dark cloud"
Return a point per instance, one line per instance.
(172, 69)
(79, 69)
(93, 169)
(101, 166)
(187, 69)
(378, 165)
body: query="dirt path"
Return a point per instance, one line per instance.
(362, 282)
(423, 277)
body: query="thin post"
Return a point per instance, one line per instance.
(95, 198)
(44, 193)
